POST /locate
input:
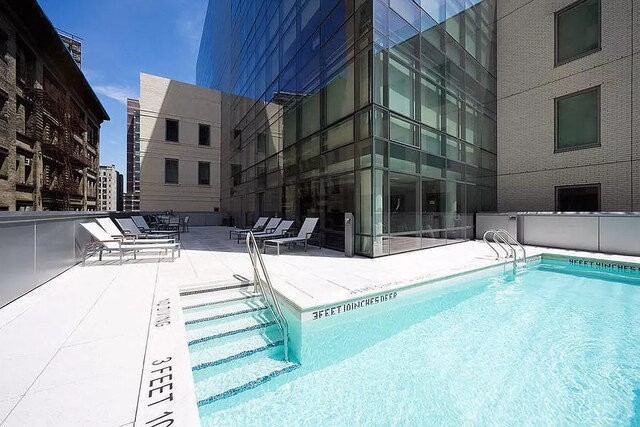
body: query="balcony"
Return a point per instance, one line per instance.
(81, 159)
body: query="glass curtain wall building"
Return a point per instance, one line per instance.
(382, 108)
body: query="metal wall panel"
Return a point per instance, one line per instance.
(486, 222)
(55, 248)
(563, 231)
(17, 260)
(37, 246)
(620, 235)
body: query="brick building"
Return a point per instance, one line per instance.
(568, 105)
(49, 117)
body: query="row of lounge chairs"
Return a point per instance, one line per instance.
(275, 232)
(132, 235)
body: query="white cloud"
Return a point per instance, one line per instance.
(119, 93)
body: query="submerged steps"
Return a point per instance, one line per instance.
(211, 330)
(233, 350)
(216, 311)
(235, 381)
(234, 342)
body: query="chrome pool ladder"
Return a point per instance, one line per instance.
(507, 243)
(262, 284)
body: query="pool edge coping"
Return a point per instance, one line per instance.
(539, 255)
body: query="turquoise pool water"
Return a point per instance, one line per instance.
(554, 345)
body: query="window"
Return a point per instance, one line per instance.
(236, 173)
(3, 110)
(578, 198)
(578, 120)
(171, 171)
(4, 164)
(401, 88)
(204, 172)
(172, 130)
(4, 44)
(340, 95)
(93, 135)
(403, 131)
(577, 31)
(204, 134)
(261, 144)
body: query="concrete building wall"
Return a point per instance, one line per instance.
(190, 105)
(528, 83)
(108, 189)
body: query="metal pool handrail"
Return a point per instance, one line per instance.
(266, 289)
(511, 241)
(499, 243)
(498, 237)
(486, 240)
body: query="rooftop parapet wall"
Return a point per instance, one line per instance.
(37, 246)
(607, 232)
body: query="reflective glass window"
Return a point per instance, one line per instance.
(403, 159)
(338, 135)
(403, 131)
(577, 30)
(401, 88)
(403, 203)
(578, 120)
(340, 95)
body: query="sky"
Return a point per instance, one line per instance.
(122, 38)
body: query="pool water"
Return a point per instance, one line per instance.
(554, 345)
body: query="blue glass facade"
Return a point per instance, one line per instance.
(383, 108)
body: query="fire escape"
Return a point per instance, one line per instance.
(62, 151)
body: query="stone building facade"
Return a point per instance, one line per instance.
(49, 117)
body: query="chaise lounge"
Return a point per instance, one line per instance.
(104, 242)
(142, 225)
(129, 228)
(258, 226)
(271, 226)
(280, 231)
(305, 233)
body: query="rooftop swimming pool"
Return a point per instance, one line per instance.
(555, 344)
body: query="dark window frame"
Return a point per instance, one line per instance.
(557, 149)
(556, 61)
(4, 45)
(4, 164)
(208, 183)
(166, 130)
(208, 141)
(576, 186)
(177, 170)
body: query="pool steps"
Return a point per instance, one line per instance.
(212, 329)
(234, 343)
(229, 352)
(215, 313)
(201, 301)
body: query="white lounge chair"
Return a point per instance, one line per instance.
(130, 228)
(260, 223)
(104, 242)
(280, 231)
(142, 225)
(111, 228)
(271, 226)
(305, 233)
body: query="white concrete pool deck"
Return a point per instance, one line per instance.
(72, 351)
